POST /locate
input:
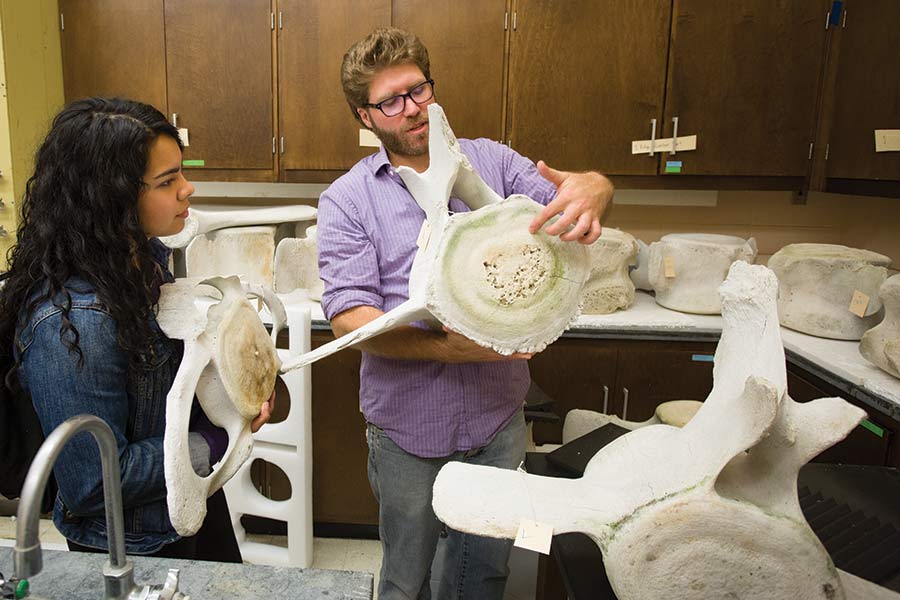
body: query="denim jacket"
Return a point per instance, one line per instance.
(130, 398)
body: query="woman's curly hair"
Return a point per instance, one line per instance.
(80, 220)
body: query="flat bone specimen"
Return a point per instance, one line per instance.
(247, 252)
(689, 513)
(881, 344)
(480, 273)
(205, 220)
(297, 265)
(816, 283)
(674, 412)
(610, 287)
(686, 269)
(230, 363)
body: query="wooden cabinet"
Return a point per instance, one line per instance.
(206, 64)
(220, 84)
(575, 373)
(585, 79)
(866, 92)
(625, 378)
(317, 127)
(114, 48)
(744, 77)
(341, 492)
(466, 46)
(650, 373)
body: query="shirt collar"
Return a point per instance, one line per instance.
(380, 161)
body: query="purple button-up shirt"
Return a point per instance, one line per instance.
(368, 224)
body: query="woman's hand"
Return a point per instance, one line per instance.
(265, 413)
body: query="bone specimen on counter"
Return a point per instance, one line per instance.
(480, 273)
(297, 264)
(206, 220)
(708, 510)
(676, 413)
(686, 269)
(610, 287)
(881, 344)
(230, 363)
(248, 252)
(818, 282)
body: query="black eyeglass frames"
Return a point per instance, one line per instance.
(393, 106)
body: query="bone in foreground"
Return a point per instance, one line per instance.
(230, 362)
(709, 510)
(480, 273)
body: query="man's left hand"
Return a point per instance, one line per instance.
(265, 413)
(582, 198)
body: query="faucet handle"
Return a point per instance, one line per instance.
(13, 588)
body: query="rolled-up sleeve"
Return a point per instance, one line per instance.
(348, 262)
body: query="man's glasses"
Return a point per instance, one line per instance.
(393, 106)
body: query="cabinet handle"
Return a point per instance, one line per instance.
(174, 119)
(652, 135)
(674, 134)
(624, 403)
(605, 400)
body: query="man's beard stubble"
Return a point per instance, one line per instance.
(396, 144)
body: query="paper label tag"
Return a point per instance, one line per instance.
(669, 267)
(193, 162)
(887, 140)
(183, 134)
(858, 303)
(533, 535)
(683, 144)
(368, 139)
(424, 235)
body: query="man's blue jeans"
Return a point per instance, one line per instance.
(474, 567)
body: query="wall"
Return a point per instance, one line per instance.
(31, 93)
(774, 220)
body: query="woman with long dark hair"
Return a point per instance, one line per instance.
(78, 307)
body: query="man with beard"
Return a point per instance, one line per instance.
(428, 397)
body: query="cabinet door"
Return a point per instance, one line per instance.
(319, 130)
(220, 75)
(586, 78)
(465, 41)
(650, 373)
(114, 48)
(867, 92)
(341, 492)
(744, 77)
(573, 373)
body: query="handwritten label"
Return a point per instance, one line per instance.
(887, 140)
(858, 303)
(683, 144)
(424, 235)
(669, 267)
(535, 536)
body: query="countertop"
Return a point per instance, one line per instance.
(835, 361)
(78, 576)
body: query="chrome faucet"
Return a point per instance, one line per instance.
(118, 573)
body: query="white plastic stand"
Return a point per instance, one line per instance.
(288, 445)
